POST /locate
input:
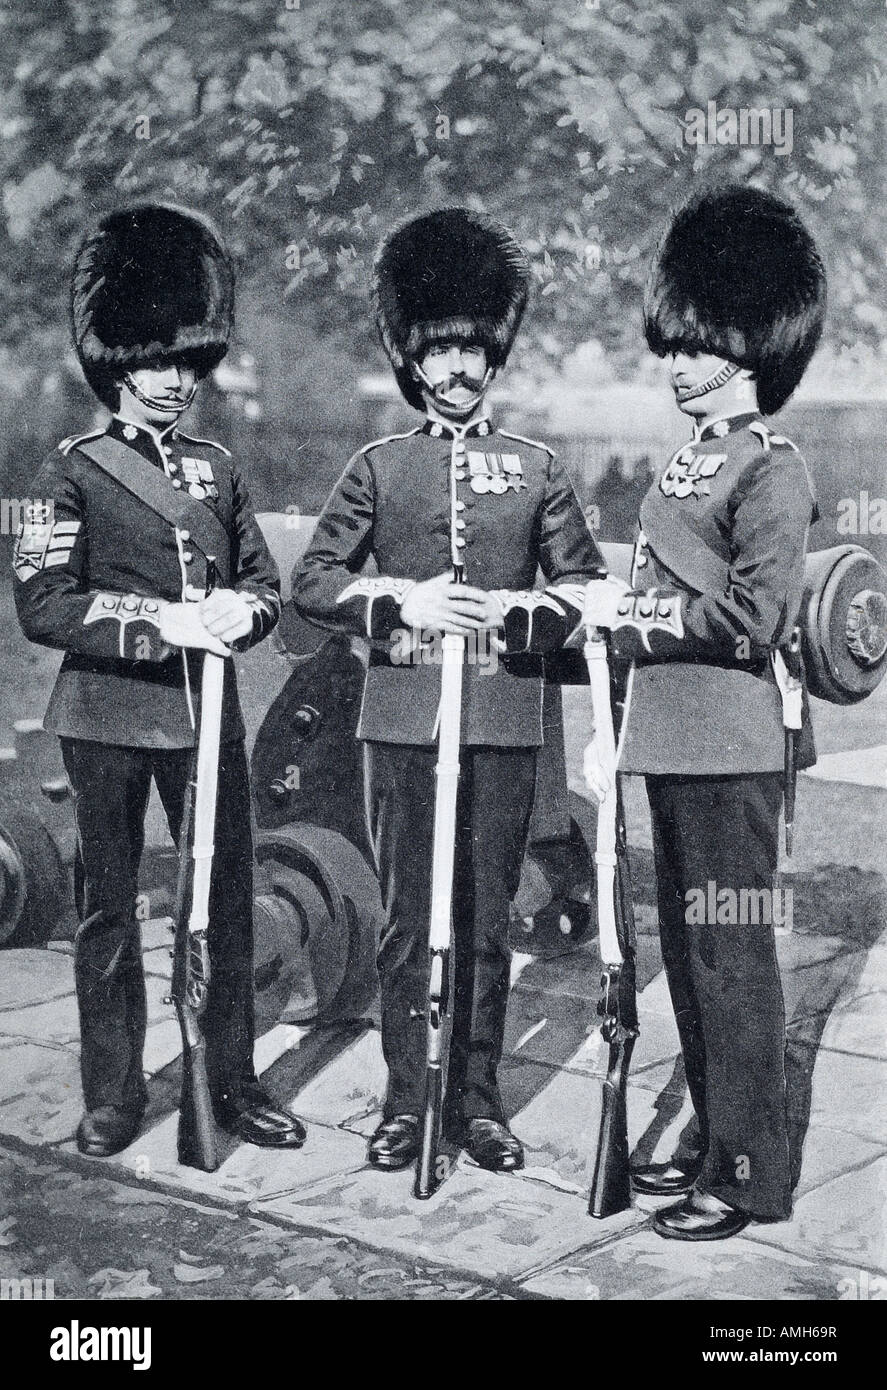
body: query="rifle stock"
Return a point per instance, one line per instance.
(197, 1142)
(610, 1186)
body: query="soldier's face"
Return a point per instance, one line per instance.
(690, 370)
(157, 395)
(454, 376)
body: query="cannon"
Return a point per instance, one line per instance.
(317, 907)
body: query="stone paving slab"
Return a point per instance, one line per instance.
(842, 1220)
(556, 1114)
(819, 988)
(829, 1152)
(850, 1095)
(30, 977)
(859, 1026)
(873, 974)
(865, 767)
(57, 1019)
(564, 1031)
(643, 1263)
(245, 1173)
(335, 1077)
(493, 1225)
(40, 1097)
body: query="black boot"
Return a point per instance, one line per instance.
(492, 1145)
(396, 1143)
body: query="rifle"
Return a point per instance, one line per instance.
(789, 672)
(446, 775)
(197, 1146)
(610, 1185)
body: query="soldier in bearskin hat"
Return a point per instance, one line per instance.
(735, 300)
(456, 491)
(113, 571)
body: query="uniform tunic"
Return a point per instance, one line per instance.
(723, 535)
(415, 504)
(126, 518)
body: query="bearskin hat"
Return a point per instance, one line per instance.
(738, 275)
(448, 274)
(152, 284)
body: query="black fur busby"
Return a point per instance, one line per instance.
(448, 274)
(738, 275)
(152, 284)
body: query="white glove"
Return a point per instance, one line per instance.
(181, 626)
(227, 614)
(602, 599)
(596, 774)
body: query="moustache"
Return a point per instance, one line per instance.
(470, 383)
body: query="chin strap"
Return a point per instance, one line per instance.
(469, 405)
(711, 383)
(152, 404)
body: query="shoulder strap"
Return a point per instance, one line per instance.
(74, 441)
(389, 439)
(522, 439)
(151, 487)
(210, 443)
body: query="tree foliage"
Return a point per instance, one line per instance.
(306, 128)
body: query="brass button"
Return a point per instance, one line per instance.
(177, 482)
(623, 607)
(151, 607)
(645, 610)
(664, 610)
(172, 468)
(187, 556)
(640, 561)
(460, 506)
(185, 535)
(459, 475)
(460, 541)
(129, 606)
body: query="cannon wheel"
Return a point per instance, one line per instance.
(34, 886)
(316, 918)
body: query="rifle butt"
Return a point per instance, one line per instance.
(427, 1182)
(197, 1142)
(611, 1185)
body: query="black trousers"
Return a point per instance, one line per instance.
(711, 834)
(494, 802)
(111, 786)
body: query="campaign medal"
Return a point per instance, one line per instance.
(514, 473)
(478, 472)
(199, 477)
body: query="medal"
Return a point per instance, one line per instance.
(513, 471)
(481, 482)
(198, 491)
(498, 484)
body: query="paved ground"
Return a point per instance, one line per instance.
(320, 1223)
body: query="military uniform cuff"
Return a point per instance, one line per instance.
(134, 626)
(379, 598)
(533, 620)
